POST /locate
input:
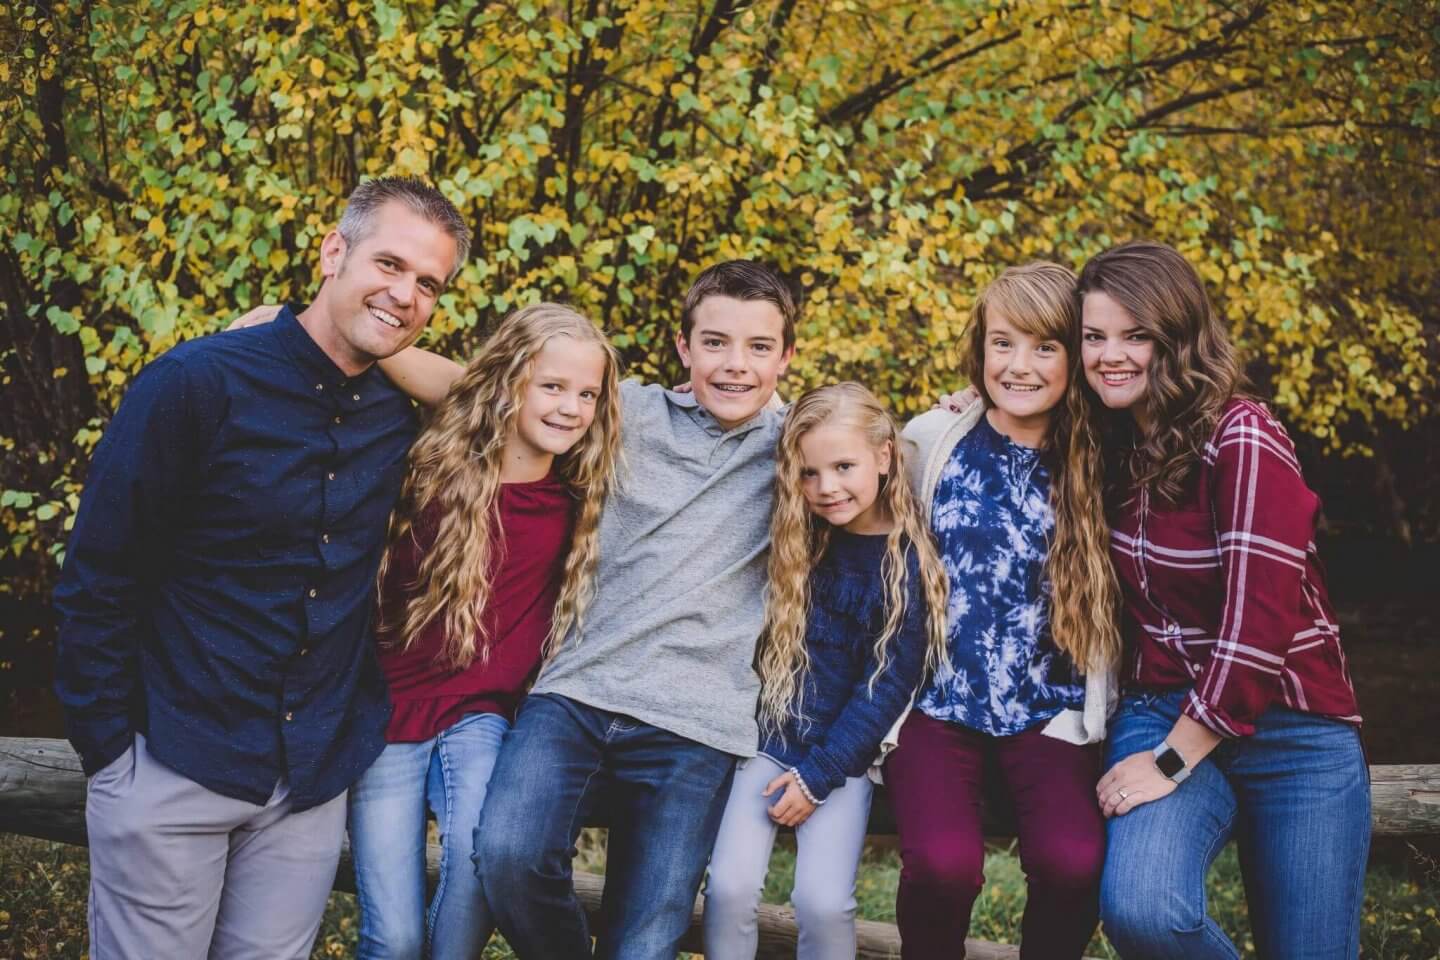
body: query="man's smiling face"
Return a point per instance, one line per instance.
(736, 354)
(382, 289)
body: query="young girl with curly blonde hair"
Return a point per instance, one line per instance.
(491, 555)
(854, 614)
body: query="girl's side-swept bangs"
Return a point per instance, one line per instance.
(1037, 298)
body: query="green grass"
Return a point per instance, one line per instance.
(43, 889)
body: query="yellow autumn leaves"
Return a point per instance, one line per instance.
(889, 157)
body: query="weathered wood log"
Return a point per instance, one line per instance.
(42, 790)
(1405, 799)
(42, 794)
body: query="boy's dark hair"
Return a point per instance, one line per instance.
(741, 280)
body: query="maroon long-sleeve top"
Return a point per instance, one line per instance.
(527, 562)
(1224, 591)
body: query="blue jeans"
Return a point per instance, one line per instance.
(663, 795)
(1295, 796)
(448, 774)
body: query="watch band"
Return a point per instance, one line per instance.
(1170, 762)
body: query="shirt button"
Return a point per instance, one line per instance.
(337, 419)
(304, 650)
(313, 592)
(319, 386)
(324, 538)
(355, 396)
(330, 475)
(289, 716)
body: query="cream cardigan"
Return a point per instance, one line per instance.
(933, 436)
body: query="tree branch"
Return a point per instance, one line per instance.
(892, 81)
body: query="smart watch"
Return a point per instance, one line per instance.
(1170, 763)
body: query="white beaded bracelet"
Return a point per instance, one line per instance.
(800, 782)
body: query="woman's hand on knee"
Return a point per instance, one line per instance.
(1132, 782)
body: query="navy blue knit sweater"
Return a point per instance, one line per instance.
(843, 721)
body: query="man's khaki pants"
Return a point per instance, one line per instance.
(180, 872)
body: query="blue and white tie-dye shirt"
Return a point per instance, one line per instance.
(992, 520)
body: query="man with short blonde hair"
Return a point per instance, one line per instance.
(215, 660)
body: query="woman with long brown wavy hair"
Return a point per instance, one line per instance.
(491, 555)
(1238, 717)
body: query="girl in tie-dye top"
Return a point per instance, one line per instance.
(992, 519)
(1031, 632)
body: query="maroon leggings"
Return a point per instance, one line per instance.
(935, 779)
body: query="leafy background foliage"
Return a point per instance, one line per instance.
(167, 164)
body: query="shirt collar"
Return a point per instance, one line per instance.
(703, 418)
(307, 353)
(1001, 442)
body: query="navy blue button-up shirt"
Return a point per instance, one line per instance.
(219, 581)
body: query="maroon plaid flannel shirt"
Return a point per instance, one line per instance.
(1224, 591)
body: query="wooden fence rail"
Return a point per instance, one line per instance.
(42, 794)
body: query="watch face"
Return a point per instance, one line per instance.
(1170, 762)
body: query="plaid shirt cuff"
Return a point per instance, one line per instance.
(1215, 719)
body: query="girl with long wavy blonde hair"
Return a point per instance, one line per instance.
(854, 616)
(1031, 637)
(490, 558)
(798, 540)
(456, 469)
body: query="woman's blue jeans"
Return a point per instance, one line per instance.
(1295, 796)
(448, 775)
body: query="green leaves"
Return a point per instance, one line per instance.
(891, 159)
(388, 18)
(62, 320)
(16, 498)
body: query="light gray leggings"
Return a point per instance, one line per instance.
(828, 847)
